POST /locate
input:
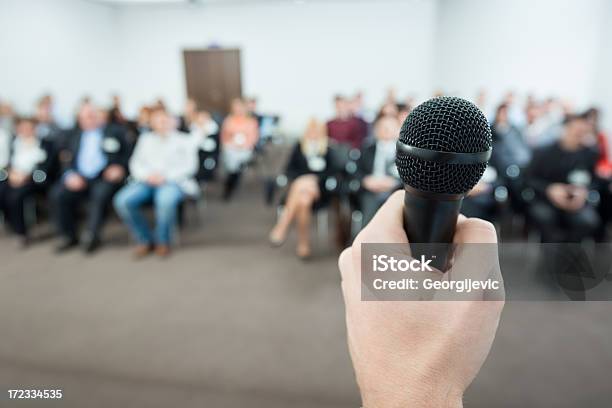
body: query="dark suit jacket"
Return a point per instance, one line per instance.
(298, 165)
(365, 164)
(114, 146)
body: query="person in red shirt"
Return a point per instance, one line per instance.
(239, 135)
(345, 128)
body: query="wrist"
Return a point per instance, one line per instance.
(413, 399)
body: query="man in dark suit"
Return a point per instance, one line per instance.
(562, 174)
(96, 158)
(376, 168)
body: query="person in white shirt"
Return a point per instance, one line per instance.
(28, 169)
(4, 148)
(162, 167)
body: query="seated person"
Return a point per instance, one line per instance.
(344, 128)
(189, 114)
(480, 201)
(46, 128)
(239, 135)
(30, 167)
(309, 167)
(561, 175)
(603, 170)
(5, 141)
(162, 167)
(204, 133)
(376, 168)
(96, 157)
(510, 156)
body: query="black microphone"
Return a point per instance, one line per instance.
(443, 150)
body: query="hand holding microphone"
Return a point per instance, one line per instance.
(426, 353)
(416, 353)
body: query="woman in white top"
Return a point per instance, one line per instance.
(27, 170)
(162, 168)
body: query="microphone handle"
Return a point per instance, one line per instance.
(431, 219)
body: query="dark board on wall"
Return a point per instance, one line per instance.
(213, 77)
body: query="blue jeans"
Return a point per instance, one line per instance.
(166, 199)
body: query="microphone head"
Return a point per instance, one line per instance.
(439, 129)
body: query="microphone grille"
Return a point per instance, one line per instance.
(444, 124)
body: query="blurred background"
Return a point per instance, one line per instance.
(177, 179)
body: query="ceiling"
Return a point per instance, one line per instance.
(153, 2)
(215, 2)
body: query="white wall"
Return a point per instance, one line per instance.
(602, 82)
(295, 57)
(549, 47)
(60, 46)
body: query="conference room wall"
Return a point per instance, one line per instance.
(295, 57)
(549, 47)
(602, 85)
(66, 47)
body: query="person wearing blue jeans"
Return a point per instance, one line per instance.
(165, 198)
(162, 168)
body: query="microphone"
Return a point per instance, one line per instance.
(443, 150)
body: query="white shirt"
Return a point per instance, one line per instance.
(173, 157)
(26, 156)
(383, 158)
(5, 141)
(202, 137)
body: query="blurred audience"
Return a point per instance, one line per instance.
(376, 168)
(251, 105)
(96, 159)
(508, 144)
(46, 128)
(7, 117)
(189, 114)
(29, 169)
(562, 174)
(162, 168)
(309, 168)
(239, 135)
(510, 156)
(549, 164)
(345, 128)
(480, 201)
(115, 113)
(5, 142)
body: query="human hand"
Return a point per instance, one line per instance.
(114, 173)
(415, 353)
(480, 188)
(378, 184)
(17, 178)
(577, 198)
(75, 182)
(156, 180)
(559, 195)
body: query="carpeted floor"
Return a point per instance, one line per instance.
(230, 322)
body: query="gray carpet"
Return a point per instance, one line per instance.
(229, 322)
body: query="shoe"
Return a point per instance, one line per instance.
(163, 251)
(24, 242)
(304, 252)
(90, 245)
(66, 245)
(142, 250)
(276, 239)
